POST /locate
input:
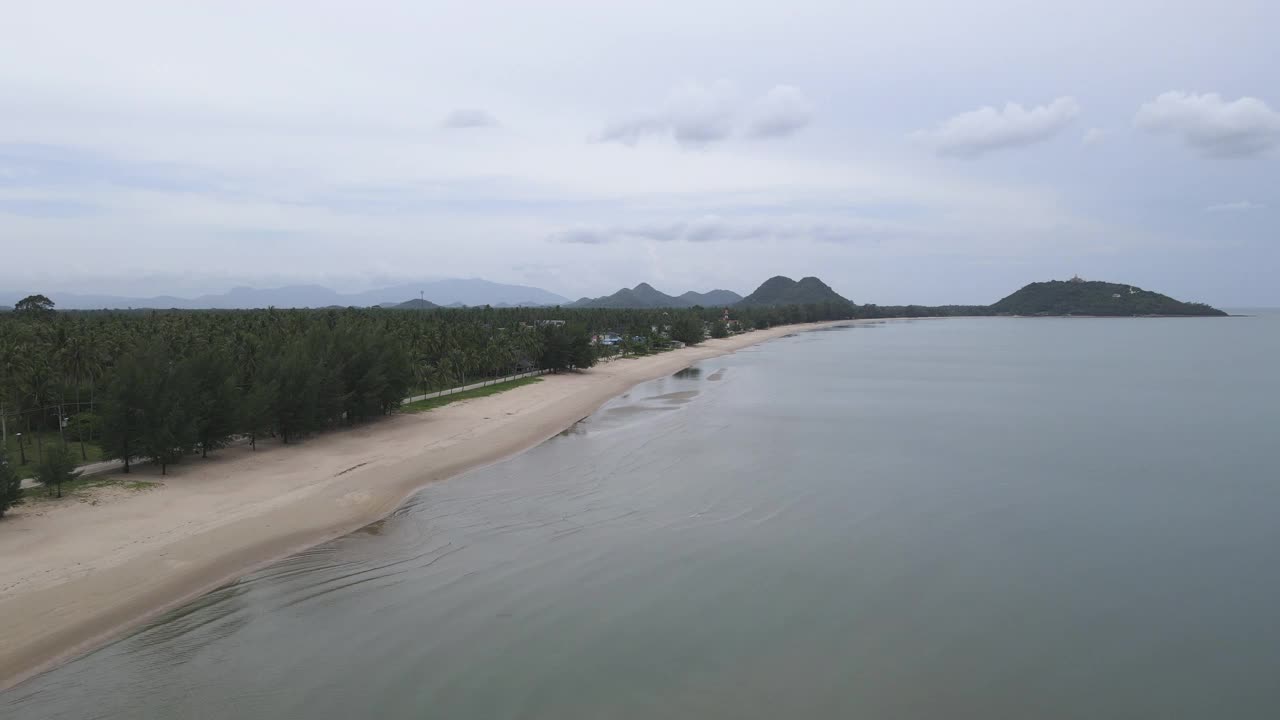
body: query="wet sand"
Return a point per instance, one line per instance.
(74, 575)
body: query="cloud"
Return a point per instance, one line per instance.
(1237, 206)
(697, 115)
(986, 129)
(582, 236)
(1095, 136)
(783, 111)
(463, 118)
(693, 114)
(713, 228)
(1239, 128)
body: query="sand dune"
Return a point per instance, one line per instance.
(75, 574)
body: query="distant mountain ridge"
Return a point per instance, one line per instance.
(781, 290)
(645, 296)
(464, 291)
(1051, 298)
(414, 304)
(1085, 297)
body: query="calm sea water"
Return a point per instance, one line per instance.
(988, 518)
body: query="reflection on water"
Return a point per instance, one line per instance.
(959, 519)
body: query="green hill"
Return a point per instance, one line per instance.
(711, 298)
(645, 296)
(414, 304)
(781, 290)
(1081, 297)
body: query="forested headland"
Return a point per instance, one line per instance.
(1092, 297)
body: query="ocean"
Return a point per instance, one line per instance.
(962, 518)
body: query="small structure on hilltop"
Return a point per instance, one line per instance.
(1076, 279)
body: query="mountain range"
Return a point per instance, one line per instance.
(778, 290)
(453, 291)
(645, 296)
(1057, 297)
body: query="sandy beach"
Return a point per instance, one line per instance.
(76, 574)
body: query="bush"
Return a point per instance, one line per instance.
(55, 468)
(10, 485)
(84, 426)
(688, 330)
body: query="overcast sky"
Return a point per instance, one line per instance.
(904, 151)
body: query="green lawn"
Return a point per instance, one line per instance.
(433, 403)
(48, 438)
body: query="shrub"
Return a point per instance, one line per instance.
(84, 426)
(55, 468)
(10, 485)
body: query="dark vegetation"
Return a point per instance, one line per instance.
(1071, 297)
(1080, 297)
(645, 296)
(779, 290)
(10, 484)
(416, 304)
(56, 468)
(163, 385)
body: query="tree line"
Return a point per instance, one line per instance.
(163, 385)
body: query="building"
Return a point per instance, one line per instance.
(607, 339)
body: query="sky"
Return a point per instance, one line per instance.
(903, 151)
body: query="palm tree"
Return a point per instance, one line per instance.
(459, 363)
(8, 365)
(39, 383)
(74, 358)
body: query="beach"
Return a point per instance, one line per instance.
(74, 575)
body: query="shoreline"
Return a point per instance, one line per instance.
(76, 577)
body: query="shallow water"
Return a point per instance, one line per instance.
(988, 518)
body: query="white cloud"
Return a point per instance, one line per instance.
(696, 115)
(693, 114)
(1237, 206)
(323, 134)
(782, 111)
(463, 118)
(1239, 128)
(986, 129)
(1095, 136)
